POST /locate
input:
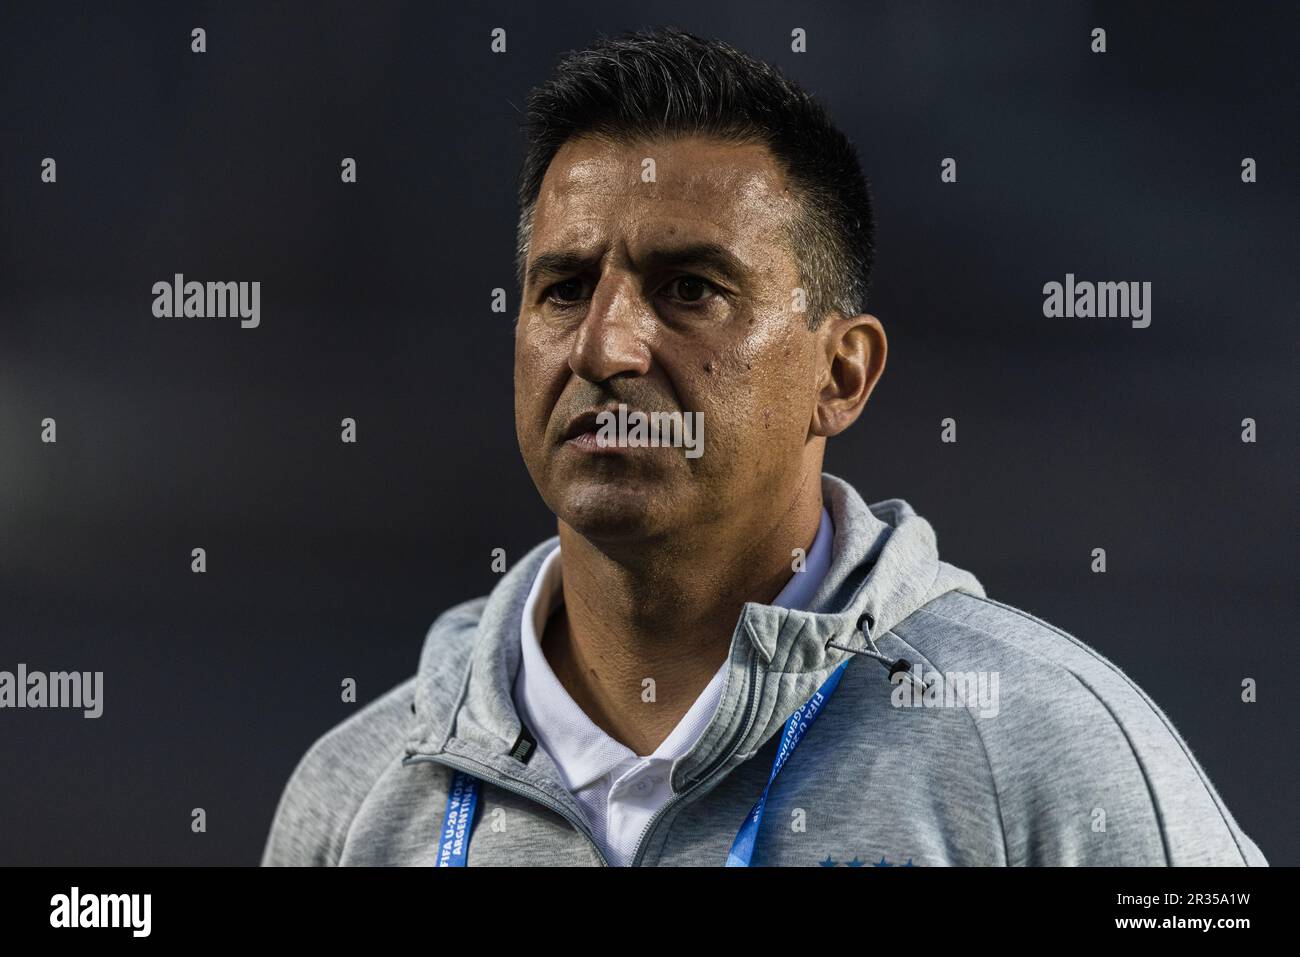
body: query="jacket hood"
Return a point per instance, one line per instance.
(884, 565)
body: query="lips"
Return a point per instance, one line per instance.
(584, 422)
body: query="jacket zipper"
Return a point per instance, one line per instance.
(745, 720)
(476, 769)
(523, 790)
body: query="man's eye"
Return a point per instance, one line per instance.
(567, 290)
(689, 288)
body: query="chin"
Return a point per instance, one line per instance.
(616, 510)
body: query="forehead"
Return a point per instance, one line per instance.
(598, 193)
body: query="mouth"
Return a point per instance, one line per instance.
(580, 434)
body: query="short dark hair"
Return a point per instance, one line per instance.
(667, 82)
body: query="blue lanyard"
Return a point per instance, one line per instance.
(796, 726)
(453, 839)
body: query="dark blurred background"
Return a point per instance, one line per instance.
(328, 561)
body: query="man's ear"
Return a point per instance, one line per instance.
(853, 352)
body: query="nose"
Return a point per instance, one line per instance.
(611, 340)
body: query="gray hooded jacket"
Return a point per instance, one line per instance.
(1030, 748)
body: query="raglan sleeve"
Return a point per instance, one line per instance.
(308, 828)
(1115, 784)
(332, 780)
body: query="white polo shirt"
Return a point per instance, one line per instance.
(619, 790)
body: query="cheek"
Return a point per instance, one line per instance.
(531, 408)
(539, 362)
(777, 370)
(755, 398)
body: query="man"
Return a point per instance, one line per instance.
(728, 657)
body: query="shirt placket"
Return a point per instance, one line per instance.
(640, 789)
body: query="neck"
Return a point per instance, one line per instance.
(666, 612)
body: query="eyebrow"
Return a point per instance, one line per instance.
(706, 255)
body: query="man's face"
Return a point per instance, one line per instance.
(672, 295)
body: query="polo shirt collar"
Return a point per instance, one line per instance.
(580, 749)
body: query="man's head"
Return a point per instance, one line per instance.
(694, 236)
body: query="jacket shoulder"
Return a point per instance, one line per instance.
(341, 767)
(332, 779)
(1087, 768)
